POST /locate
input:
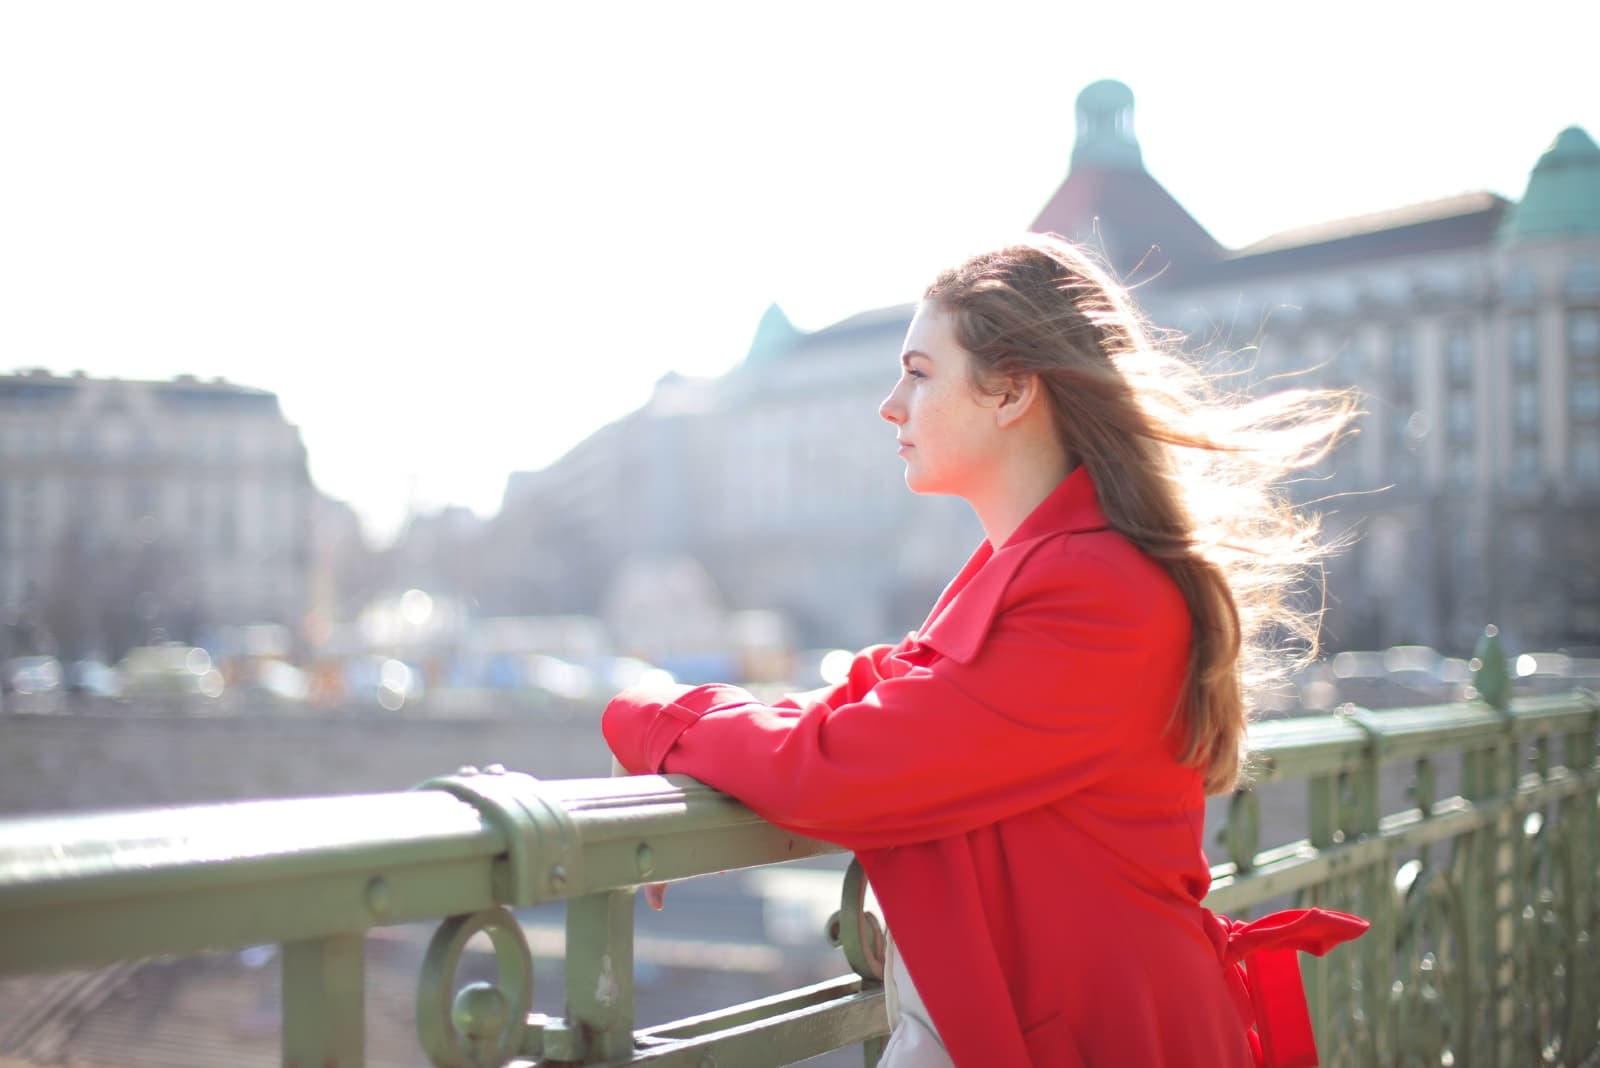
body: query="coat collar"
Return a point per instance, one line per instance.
(961, 618)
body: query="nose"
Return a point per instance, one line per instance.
(892, 409)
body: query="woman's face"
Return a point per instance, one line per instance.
(947, 430)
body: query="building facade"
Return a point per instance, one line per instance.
(1470, 326)
(778, 480)
(139, 511)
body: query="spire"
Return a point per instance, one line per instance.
(1112, 205)
(775, 335)
(1105, 128)
(1563, 197)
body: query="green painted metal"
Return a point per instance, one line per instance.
(1484, 904)
(856, 930)
(482, 1023)
(324, 993)
(599, 981)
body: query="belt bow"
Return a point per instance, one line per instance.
(1260, 956)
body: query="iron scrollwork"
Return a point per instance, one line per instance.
(1430, 995)
(482, 1024)
(856, 930)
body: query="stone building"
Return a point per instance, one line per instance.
(1471, 326)
(779, 479)
(134, 511)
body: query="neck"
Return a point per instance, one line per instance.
(1019, 488)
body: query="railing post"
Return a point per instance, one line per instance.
(1323, 832)
(324, 1002)
(1579, 823)
(1371, 1026)
(599, 969)
(1489, 777)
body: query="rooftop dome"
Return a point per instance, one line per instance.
(1105, 128)
(1563, 197)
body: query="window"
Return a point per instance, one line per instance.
(1584, 399)
(1583, 337)
(1521, 286)
(1525, 407)
(1463, 468)
(1349, 364)
(1586, 456)
(1583, 280)
(141, 499)
(1524, 343)
(1402, 363)
(1458, 354)
(1459, 417)
(1525, 468)
(1403, 469)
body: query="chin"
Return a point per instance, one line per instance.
(925, 487)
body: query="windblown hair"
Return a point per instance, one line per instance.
(1189, 472)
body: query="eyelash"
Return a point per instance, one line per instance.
(915, 374)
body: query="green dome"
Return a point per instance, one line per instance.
(775, 335)
(1563, 197)
(1105, 128)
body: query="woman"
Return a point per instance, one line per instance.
(1024, 776)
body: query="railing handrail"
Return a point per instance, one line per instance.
(87, 889)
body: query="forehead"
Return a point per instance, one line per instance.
(932, 332)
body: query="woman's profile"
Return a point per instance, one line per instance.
(1023, 777)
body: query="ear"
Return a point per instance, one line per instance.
(1019, 395)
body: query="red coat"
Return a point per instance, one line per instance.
(1007, 777)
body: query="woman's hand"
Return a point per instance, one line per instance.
(655, 894)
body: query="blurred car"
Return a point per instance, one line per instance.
(93, 678)
(391, 683)
(170, 669)
(32, 674)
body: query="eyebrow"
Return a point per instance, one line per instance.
(905, 357)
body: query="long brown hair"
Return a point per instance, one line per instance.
(1188, 471)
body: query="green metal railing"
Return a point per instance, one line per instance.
(1483, 903)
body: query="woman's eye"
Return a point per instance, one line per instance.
(915, 373)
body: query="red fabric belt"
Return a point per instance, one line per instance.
(1264, 975)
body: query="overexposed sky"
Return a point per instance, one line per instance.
(457, 238)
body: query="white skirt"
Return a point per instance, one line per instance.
(913, 1040)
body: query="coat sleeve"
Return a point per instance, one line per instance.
(1077, 675)
(866, 671)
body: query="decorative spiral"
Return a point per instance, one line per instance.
(1431, 994)
(857, 931)
(482, 1024)
(1550, 932)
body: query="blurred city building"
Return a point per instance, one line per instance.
(1471, 326)
(136, 512)
(773, 487)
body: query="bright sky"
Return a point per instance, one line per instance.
(457, 238)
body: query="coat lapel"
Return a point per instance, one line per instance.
(965, 611)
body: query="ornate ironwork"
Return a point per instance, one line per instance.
(1430, 994)
(1548, 940)
(482, 1024)
(855, 929)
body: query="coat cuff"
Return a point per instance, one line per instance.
(642, 727)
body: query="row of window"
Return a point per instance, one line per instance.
(1350, 365)
(1580, 285)
(89, 443)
